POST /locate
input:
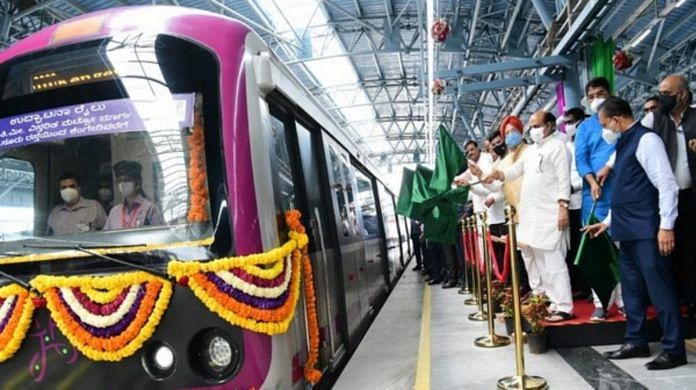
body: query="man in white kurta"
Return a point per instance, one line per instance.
(543, 213)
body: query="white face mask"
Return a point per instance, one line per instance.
(610, 137)
(537, 134)
(127, 188)
(105, 194)
(69, 195)
(596, 102)
(571, 129)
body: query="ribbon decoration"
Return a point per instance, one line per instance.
(478, 256)
(494, 259)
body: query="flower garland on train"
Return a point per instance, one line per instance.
(259, 292)
(16, 310)
(109, 318)
(198, 212)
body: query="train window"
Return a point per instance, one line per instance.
(342, 190)
(284, 167)
(366, 202)
(16, 197)
(119, 160)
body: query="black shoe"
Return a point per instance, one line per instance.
(665, 361)
(417, 268)
(427, 279)
(433, 282)
(462, 291)
(627, 351)
(449, 285)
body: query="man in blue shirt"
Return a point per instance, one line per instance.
(592, 153)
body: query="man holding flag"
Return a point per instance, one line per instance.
(643, 212)
(543, 211)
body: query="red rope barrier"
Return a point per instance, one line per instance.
(494, 260)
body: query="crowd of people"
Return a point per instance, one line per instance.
(635, 177)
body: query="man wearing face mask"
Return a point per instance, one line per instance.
(643, 214)
(675, 123)
(543, 212)
(135, 210)
(592, 153)
(76, 214)
(485, 198)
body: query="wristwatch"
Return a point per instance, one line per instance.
(563, 203)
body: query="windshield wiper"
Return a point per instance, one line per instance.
(90, 250)
(17, 280)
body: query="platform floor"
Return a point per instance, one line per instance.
(422, 339)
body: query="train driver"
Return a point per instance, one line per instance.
(135, 210)
(76, 214)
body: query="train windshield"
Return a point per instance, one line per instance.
(106, 143)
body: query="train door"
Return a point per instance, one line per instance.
(371, 230)
(391, 232)
(300, 182)
(324, 254)
(349, 236)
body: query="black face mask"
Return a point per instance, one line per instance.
(500, 150)
(667, 103)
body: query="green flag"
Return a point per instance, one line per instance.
(449, 162)
(601, 60)
(404, 206)
(598, 259)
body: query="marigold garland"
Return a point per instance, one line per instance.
(16, 310)
(198, 212)
(102, 332)
(247, 291)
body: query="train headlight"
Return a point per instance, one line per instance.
(159, 360)
(219, 353)
(214, 355)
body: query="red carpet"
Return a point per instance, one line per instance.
(583, 310)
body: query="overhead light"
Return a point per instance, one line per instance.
(641, 37)
(679, 4)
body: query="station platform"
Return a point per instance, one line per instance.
(423, 339)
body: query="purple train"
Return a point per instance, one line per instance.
(102, 108)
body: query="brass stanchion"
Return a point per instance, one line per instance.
(465, 229)
(473, 300)
(491, 340)
(480, 315)
(520, 380)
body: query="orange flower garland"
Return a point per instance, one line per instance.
(111, 344)
(17, 309)
(197, 173)
(311, 374)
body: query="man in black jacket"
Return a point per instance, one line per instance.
(675, 122)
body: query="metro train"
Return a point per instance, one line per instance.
(132, 85)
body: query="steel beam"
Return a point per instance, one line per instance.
(496, 67)
(543, 13)
(506, 83)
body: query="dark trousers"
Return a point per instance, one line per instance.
(684, 256)
(435, 257)
(451, 263)
(577, 281)
(645, 274)
(417, 250)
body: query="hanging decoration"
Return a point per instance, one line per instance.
(259, 292)
(16, 310)
(198, 212)
(622, 60)
(107, 318)
(440, 30)
(438, 87)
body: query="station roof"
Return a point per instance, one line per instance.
(366, 59)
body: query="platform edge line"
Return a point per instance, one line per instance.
(423, 366)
